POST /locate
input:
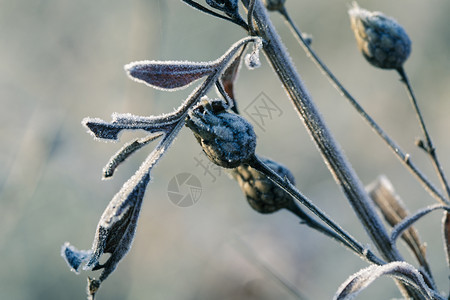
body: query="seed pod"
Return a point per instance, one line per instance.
(382, 41)
(226, 138)
(262, 194)
(274, 4)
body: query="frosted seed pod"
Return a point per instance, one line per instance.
(226, 138)
(262, 194)
(274, 4)
(382, 41)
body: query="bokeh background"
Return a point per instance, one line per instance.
(63, 60)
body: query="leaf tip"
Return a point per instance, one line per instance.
(74, 257)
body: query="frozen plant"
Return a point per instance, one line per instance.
(229, 141)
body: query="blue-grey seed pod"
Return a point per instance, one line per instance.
(262, 194)
(226, 138)
(274, 4)
(382, 41)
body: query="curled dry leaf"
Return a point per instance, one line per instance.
(124, 152)
(400, 270)
(115, 231)
(169, 75)
(227, 80)
(110, 130)
(394, 211)
(446, 225)
(409, 221)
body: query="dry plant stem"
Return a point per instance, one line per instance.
(401, 155)
(429, 147)
(338, 165)
(312, 223)
(344, 237)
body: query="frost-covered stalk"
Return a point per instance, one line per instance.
(117, 226)
(396, 149)
(320, 133)
(335, 160)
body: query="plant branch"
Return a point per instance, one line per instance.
(335, 160)
(401, 155)
(429, 147)
(338, 165)
(344, 237)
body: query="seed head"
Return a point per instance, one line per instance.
(226, 138)
(274, 4)
(262, 194)
(382, 41)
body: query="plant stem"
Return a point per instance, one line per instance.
(345, 237)
(335, 160)
(401, 155)
(428, 147)
(312, 223)
(320, 133)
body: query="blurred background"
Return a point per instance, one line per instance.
(63, 61)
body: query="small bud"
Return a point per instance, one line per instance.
(262, 194)
(274, 4)
(226, 138)
(382, 41)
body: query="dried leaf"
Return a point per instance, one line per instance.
(117, 225)
(407, 222)
(394, 211)
(446, 226)
(400, 270)
(124, 152)
(229, 7)
(101, 129)
(74, 257)
(169, 75)
(233, 14)
(110, 130)
(226, 81)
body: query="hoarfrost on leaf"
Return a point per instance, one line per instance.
(400, 270)
(169, 75)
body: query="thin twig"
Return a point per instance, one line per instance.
(251, 8)
(401, 155)
(351, 242)
(429, 147)
(337, 163)
(312, 223)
